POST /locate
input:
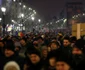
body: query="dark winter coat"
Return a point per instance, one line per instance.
(37, 66)
(19, 60)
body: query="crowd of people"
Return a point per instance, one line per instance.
(42, 51)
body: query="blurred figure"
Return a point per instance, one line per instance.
(73, 40)
(66, 42)
(51, 61)
(78, 52)
(35, 58)
(54, 45)
(63, 62)
(11, 66)
(2, 45)
(10, 55)
(67, 46)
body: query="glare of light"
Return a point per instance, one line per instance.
(33, 18)
(50, 22)
(65, 20)
(22, 15)
(39, 20)
(12, 20)
(76, 15)
(34, 11)
(20, 3)
(20, 25)
(24, 6)
(23, 28)
(73, 17)
(3, 9)
(83, 14)
(0, 19)
(14, 0)
(47, 24)
(30, 8)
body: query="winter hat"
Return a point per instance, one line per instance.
(80, 43)
(51, 54)
(10, 45)
(35, 51)
(64, 58)
(11, 66)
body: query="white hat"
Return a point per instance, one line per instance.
(12, 65)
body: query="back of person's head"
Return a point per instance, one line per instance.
(11, 66)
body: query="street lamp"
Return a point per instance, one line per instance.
(22, 16)
(14, 0)
(39, 20)
(24, 6)
(3, 9)
(20, 3)
(0, 19)
(33, 18)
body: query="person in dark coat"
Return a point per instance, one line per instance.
(78, 52)
(63, 61)
(67, 46)
(35, 58)
(10, 55)
(2, 45)
(51, 61)
(25, 46)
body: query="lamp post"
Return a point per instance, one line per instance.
(3, 9)
(22, 16)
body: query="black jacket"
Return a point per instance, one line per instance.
(19, 60)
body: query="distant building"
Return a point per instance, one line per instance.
(74, 8)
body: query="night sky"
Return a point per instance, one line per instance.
(49, 8)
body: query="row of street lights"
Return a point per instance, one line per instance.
(22, 17)
(3, 9)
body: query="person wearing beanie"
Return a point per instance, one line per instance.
(63, 62)
(35, 58)
(10, 55)
(51, 61)
(54, 45)
(78, 52)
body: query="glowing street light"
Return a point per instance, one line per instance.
(3, 9)
(33, 18)
(65, 20)
(22, 15)
(0, 19)
(14, 0)
(20, 3)
(24, 6)
(39, 20)
(12, 20)
(30, 8)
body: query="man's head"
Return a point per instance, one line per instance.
(79, 47)
(54, 45)
(23, 42)
(40, 40)
(9, 53)
(35, 56)
(9, 49)
(63, 62)
(66, 42)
